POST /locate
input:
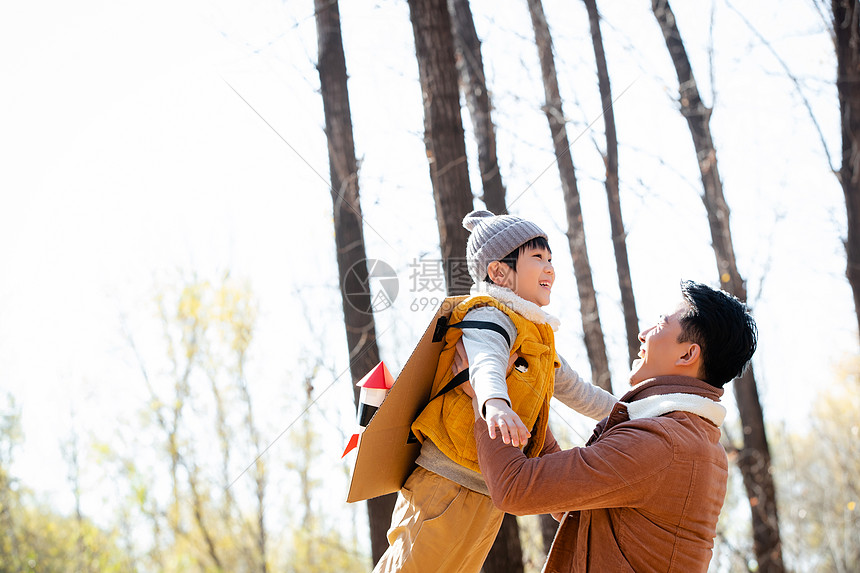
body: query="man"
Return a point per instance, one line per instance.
(645, 492)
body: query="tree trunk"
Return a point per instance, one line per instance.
(506, 553)
(506, 556)
(591, 328)
(619, 236)
(845, 27)
(548, 529)
(349, 235)
(443, 134)
(446, 153)
(754, 459)
(471, 66)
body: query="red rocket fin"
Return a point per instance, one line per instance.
(353, 443)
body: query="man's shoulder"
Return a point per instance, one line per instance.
(678, 427)
(675, 439)
(692, 436)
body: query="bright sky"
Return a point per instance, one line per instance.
(127, 159)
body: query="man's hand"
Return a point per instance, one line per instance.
(499, 413)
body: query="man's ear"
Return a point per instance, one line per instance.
(691, 357)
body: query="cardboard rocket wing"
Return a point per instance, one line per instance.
(386, 454)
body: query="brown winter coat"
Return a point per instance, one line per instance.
(643, 494)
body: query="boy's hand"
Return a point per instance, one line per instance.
(511, 428)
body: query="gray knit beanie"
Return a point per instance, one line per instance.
(494, 237)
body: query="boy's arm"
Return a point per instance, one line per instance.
(488, 354)
(576, 393)
(488, 357)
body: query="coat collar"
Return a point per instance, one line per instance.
(666, 394)
(528, 310)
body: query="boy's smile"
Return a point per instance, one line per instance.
(534, 276)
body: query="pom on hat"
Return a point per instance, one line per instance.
(493, 237)
(471, 220)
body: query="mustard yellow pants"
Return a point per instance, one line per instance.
(438, 525)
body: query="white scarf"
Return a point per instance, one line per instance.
(528, 310)
(654, 406)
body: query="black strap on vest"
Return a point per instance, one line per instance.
(484, 325)
(464, 375)
(455, 381)
(441, 328)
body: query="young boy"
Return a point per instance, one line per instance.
(444, 519)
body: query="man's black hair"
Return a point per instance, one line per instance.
(722, 327)
(511, 258)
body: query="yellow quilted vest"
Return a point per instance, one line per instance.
(449, 421)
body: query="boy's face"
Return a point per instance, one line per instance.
(533, 278)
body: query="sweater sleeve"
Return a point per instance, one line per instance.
(488, 353)
(582, 396)
(624, 469)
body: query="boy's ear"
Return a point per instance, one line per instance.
(497, 270)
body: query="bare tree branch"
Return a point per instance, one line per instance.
(794, 80)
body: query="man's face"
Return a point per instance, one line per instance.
(659, 349)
